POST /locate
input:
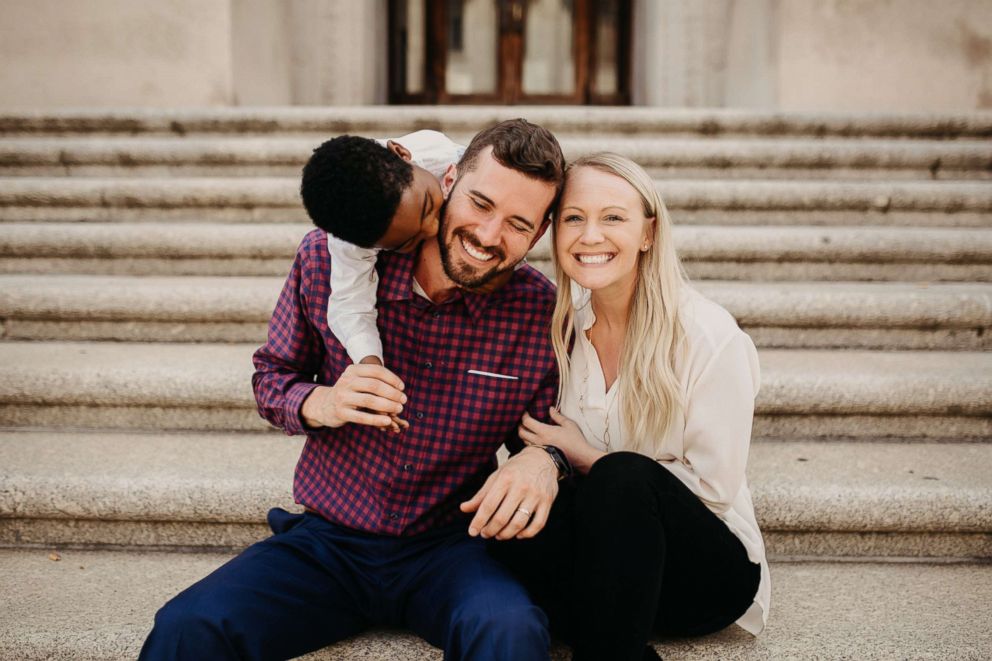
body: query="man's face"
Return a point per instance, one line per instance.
(416, 216)
(491, 219)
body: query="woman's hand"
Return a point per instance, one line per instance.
(564, 434)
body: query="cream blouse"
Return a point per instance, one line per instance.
(708, 450)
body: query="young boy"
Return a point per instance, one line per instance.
(372, 195)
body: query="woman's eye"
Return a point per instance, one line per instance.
(614, 219)
(571, 219)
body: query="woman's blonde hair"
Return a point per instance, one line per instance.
(649, 389)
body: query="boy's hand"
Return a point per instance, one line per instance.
(364, 395)
(398, 424)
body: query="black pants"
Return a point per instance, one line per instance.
(628, 553)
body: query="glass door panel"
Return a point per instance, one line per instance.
(549, 53)
(606, 28)
(472, 47)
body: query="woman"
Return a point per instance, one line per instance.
(656, 534)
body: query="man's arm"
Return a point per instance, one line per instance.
(516, 499)
(287, 364)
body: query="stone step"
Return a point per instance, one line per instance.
(804, 394)
(693, 202)
(462, 122)
(237, 309)
(857, 499)
(84, 606)
(709, 252)
(664, 157)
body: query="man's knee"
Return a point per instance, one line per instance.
(188, 625)
(500, 631)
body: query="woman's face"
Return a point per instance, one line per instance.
(601, 230)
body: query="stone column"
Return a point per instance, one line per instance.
(309, 52)
(704, 54)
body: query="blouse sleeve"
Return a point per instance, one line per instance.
(718, 417)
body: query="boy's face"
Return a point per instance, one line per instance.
(416, 216)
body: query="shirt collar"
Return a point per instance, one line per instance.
(396, 284)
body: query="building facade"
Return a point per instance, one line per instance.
(853, 55)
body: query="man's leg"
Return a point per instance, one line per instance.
(466, 602)
(287, 595)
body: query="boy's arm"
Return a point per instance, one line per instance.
(351, 312)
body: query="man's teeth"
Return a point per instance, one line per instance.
(476, 253)
(595, 259)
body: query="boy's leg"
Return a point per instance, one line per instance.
(282, 597)
(463, 600)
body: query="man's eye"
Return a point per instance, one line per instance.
(477, 204)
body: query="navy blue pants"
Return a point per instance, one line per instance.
(313, 583)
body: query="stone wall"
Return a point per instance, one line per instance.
(115, 53)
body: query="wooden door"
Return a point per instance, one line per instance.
(509, 52)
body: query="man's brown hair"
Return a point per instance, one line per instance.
(519, 145)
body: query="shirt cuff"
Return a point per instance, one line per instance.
(294, 407)
(363, 345)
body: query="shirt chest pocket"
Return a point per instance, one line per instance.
(491, 402)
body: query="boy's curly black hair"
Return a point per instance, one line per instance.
(352, 186)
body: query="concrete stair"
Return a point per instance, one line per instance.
(826, 610)
(694, 202)
(709, 252)
(807, 394)
(462, 122)
(212, 156)
(141, 252)
(161, 491)
(236, 309)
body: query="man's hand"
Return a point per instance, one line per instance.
(516, 499)
(364, 395)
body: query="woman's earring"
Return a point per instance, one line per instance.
(645, 247)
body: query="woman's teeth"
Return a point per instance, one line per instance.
(595, 259)
(475, 252)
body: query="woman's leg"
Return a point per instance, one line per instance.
(644, 542)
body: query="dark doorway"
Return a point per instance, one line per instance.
(509, 51)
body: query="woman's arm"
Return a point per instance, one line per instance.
(565, 435)
(719, 414)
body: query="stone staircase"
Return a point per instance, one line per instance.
(141, 253)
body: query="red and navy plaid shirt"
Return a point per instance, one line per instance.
(471, 367)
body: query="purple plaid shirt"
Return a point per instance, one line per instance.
(379, 482)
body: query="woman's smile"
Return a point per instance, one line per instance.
(594, 259)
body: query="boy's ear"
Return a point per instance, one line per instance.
(448, 180)
(399, 150)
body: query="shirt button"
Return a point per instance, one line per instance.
(437, 315)
(428, 364)
(420, 416)
(408, 467)
(393, 516)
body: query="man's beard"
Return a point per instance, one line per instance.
(464, 275)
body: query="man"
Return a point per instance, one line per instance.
(385, 540)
